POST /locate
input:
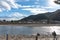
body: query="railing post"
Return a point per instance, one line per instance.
(6, 36)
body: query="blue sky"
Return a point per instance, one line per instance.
(18, 9)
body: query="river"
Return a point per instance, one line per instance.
(28, 30)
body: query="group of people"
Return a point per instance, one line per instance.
(53, 34)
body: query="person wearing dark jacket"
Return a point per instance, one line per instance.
(54, 35)
(37, 36)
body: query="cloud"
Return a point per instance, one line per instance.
(8, 4)
(0, 10)
(22, 0)
(52, 4)
(25, 6)
(17, 14)
(36, 10)
(5, 5)
(13, 16)
(8, 19)
(37, 0)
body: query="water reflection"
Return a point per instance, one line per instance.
(28, 30)
(55, 28)
(21, 30)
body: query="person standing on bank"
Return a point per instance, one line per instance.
(54, 35)
(37, 36)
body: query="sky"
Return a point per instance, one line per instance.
(18, 9)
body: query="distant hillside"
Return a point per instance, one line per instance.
(44, 16)
(56, 15)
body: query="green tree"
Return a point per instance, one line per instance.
(4, 20)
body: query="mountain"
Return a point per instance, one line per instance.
(37, 17)
(44, 16)
(56, 15)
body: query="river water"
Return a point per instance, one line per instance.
(28, 30)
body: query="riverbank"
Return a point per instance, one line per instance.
(33, 25)
(26, 37)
